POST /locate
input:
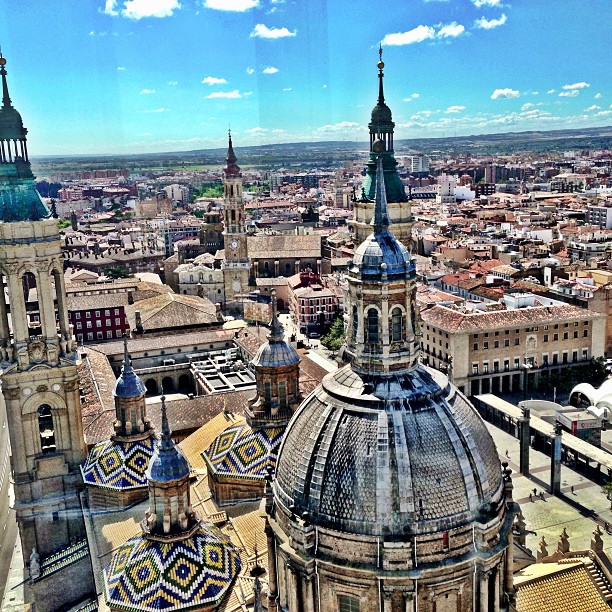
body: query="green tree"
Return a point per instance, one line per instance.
(607, 491)
(118, 272)
(335, 337)
(63, 223)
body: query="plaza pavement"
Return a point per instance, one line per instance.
(548, 517)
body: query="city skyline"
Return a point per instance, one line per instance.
(135, 76)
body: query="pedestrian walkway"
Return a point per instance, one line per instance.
(579, 511)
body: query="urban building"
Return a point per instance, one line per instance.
(236, 263)
(507, 346)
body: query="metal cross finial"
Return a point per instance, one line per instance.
(380, 52)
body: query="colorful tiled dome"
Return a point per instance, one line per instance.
(241, 452)
(149, 575)
(119, 464)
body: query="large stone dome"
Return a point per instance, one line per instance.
(388, 455)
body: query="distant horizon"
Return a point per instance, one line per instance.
(111, 77)
(365, 143)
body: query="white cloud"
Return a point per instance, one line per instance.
(450, 30)
(250, 70)
(603, 113)
(210, 80)
(489, 24)
(506, 92)
(592, 108)
(145, 92)
(416, 35)
(263, 31)
(120, 68)
(527, 106)
(581, 85)
(110, 8)
(454, 109)
(597, 96)
(231, 5)
(156, 110)
(287, 88)
(481, 3)
(172, 83)
(138, 9)
(270, 70)
(412, 96)
(344, 127)
(228, 94)
(570, 93)
(551, 91)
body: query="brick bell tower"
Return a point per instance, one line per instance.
(38, 358)
(236, 263)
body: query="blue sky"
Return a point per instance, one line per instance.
(131, 76)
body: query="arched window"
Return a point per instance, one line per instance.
(45, 429)
(372, 325)
(397, 331)
(355, 322)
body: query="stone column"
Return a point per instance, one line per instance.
(276, 268)
(62, 310)
(484, 592)
(5, 330)
(272, 578)
(524, 440)
(46, 307)
(497, 591)
(387, 594)
(555, 462)
(409, 602)
(309, 593)
(18, 308)
(294, 600)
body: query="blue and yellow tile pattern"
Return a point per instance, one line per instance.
(241, 452)
(148, 575)
(118, 464)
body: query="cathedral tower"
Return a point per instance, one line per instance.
(114, 471)
(37, 352)
(236, 264)
(389, 494)
(382, 128)
(240, 457)
(178, 562)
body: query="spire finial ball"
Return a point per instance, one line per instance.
(2, 61)
(381, 65)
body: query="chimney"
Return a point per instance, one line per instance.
(139, 328)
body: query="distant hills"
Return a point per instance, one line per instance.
(330, 153)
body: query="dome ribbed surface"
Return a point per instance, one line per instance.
(388, 455)
(381, 248)
(275, 354)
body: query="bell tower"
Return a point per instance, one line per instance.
(381, 129)
(38, 358)
(236, 264)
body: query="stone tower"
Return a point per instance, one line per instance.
(236, 264)
(178, 561)
(381, 128)
(114, 471)
(389, 494)
(240, 457)
(38, 353)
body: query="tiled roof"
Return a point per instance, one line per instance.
(118, 465)
(569, 589)
(279, 246)
(140, 345)
(64, 557)
(242, 452)
(170, 310)
(455, 321)
(147, 575)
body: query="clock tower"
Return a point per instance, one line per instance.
(236, 263)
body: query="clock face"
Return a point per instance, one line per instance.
(234, 244)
